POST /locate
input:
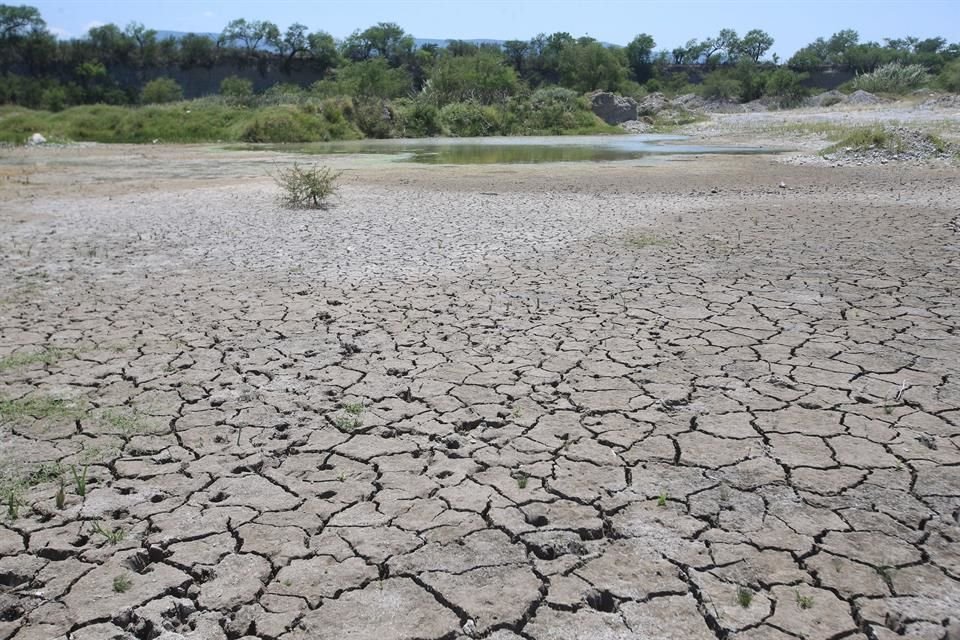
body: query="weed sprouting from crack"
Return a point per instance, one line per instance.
(804, 602)
(353, 408)
(662, 499)
(80, 479)
(114, 536)
(122, 583)
(347, 422)
(522, 479)
(13, 502)
(744, 597)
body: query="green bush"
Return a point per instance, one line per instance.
(416, 118)
(469, 120)
(892, 78)
(236, 88)
(161, 90)
(786, 86)
(54, 99)
(719, 85)
(309, 188)
(949, 78)
(372, 117)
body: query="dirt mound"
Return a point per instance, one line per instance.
(897, 144)
(948, 101)
(826, 99)
(863, 97)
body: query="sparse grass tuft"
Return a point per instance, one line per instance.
(804, 602)
(45, 356)
(80, 479)
(662, 499)
(644, 240)
(122, 583)
(744, 597)
(867, 138)
(114, 536)
(522, 479)
(37, 407)
(307, 188)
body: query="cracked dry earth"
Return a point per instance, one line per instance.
(555, 402)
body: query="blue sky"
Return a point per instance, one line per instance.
(793, 23)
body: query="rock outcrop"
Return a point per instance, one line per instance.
(613, 109)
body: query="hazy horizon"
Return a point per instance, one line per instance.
(792, 25)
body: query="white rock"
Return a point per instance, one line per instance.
(36, 139)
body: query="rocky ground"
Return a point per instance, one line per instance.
(551, 402)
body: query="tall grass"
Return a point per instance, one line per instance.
(893, 78)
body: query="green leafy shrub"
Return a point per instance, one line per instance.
(949, 78)
(161, 90)
(236, 88)
(893, 78)
(469, 119)
(416, 118)
(719, 85)
(54, 99)
(786, 86)
(307, 188)
(373, 117)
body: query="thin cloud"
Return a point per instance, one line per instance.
(93, 24)
(60, 32)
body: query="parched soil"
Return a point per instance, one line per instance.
(555, 402)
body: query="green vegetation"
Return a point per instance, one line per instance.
(893, 78)
(160, 91)
(868, 137)
(744, 597)
(122, 583)
(48, 355)
(522, 479)
(80, 479)
(804, 602)
(36, 407)
(310, 188)
(377, 83)
(111, 536)
(662, 499)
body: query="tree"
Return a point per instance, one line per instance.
(197, 51)
(323, 50)
(17, 22)
(639, 57)
(295, 40)
(755, 44)
(110, 44)
(383, 40)
(516, 52)
(250, 35)
(484, 77)
(146, 43)
(588, 66)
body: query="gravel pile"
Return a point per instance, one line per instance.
(863, 97)
(907, 145)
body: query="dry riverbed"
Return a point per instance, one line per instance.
(550, 402)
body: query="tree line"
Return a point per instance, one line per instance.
(38, 69)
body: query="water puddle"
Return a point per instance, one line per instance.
(511, 149)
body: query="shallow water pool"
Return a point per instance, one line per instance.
(512, 149)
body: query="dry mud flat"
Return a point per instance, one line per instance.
(567, 402)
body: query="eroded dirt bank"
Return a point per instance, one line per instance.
(552, 402)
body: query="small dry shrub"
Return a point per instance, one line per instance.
(307, 187)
